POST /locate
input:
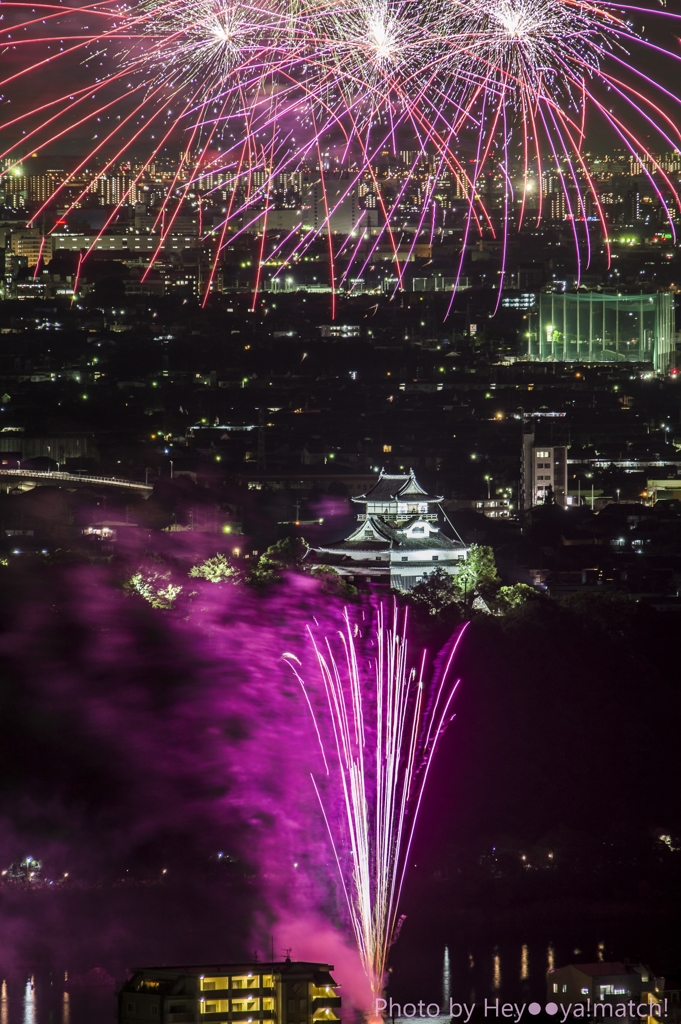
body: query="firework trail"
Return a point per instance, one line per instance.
(378, 725)
(486, 97)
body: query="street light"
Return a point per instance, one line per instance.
(488, 479)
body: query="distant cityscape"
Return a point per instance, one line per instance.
(56, 212)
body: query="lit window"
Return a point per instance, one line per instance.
(555, 987)
(423, 506)
(585, 991)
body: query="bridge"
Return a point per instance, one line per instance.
(41, 478)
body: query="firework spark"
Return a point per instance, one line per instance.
(378, 728)
(261, 93)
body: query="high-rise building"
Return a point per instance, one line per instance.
(288, 992)
(544, 473)
(14, 189)
(334, 205)
(32, 244)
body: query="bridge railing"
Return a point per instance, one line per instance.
(110, 481)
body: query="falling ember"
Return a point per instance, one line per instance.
(378, 724)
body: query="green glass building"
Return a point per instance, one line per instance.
(603, 328)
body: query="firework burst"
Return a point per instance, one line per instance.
(258, 92)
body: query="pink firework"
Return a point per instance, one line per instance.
(269, 99)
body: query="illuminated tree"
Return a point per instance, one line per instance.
(216, 570)
(155, 586)
(477, 576)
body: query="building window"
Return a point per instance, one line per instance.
(405, 558)
(435, 558)
(564, 988)
(130, 1007)
(543, 455)
(402, 508)
(423, 506)
(154, 1011)
(585, 991)
(555, 987)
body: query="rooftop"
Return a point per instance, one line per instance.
(394, 486)
(374, 534)
(600, 970)
(252, 966)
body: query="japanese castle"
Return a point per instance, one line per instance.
(398, 539)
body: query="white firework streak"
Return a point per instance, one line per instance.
(378, 727)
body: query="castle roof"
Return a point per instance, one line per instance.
(374, 536)
(396, 486)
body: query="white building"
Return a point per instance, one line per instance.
(398, 539)
(544, 473)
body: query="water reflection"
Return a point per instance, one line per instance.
(496, 978)
(524, 963)
(4, 1004)
(29, 1002)
(550, 958)
(66, 1010)
(446, 979)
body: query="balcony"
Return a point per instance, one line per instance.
(325, 1002)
